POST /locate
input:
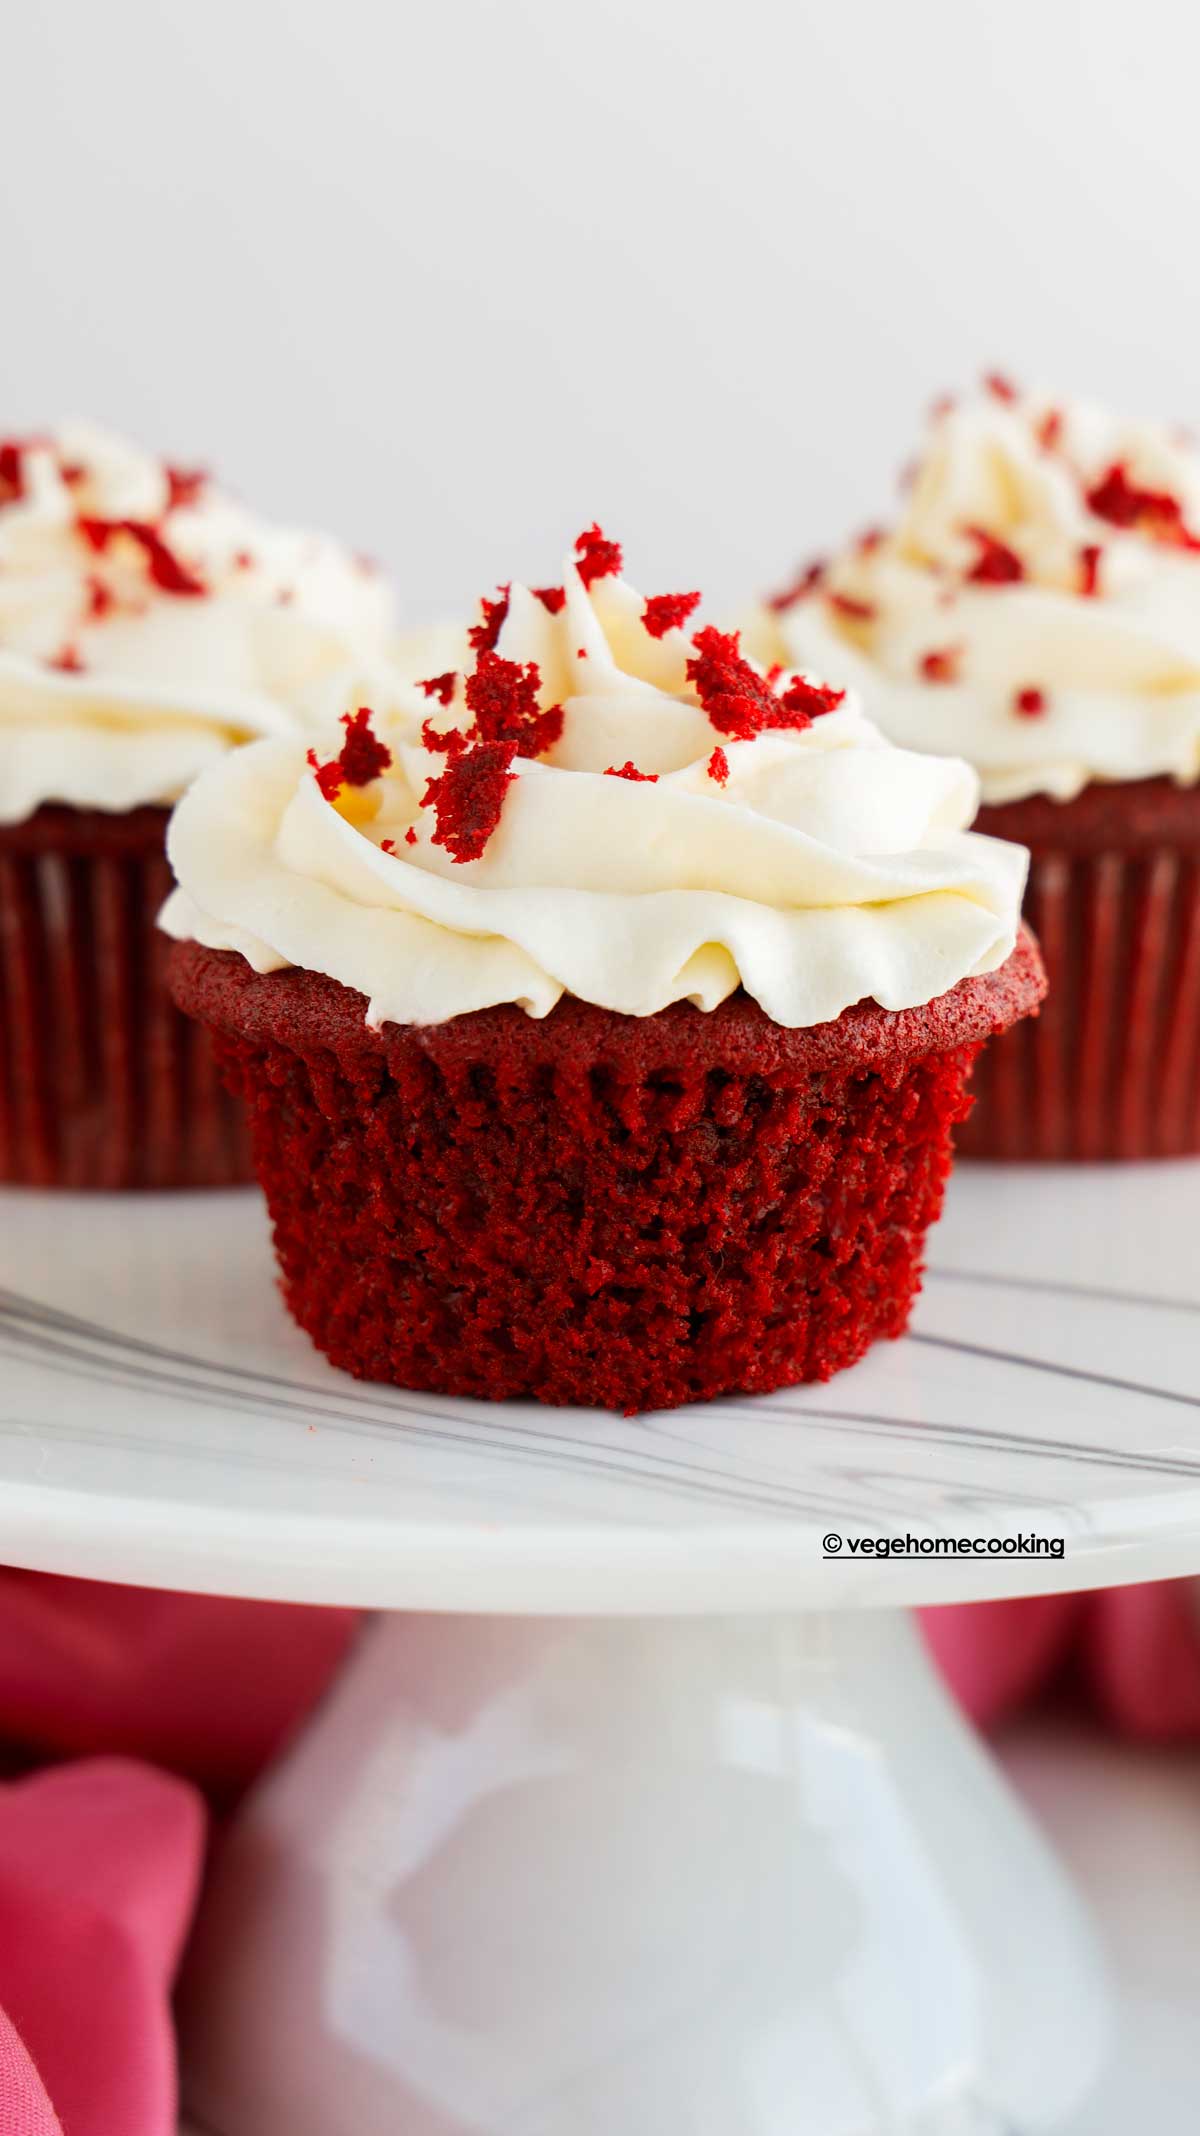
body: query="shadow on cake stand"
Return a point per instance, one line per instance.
(638, 1807)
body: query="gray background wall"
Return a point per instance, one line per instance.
(454, 278)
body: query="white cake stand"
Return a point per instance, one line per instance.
(661, 1825)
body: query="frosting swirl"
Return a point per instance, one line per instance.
(667, 824)
(1036, 606)
(148, 622)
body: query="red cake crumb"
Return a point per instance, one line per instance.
(387, 845)
(1125, 504)
(1029, 702)
(627, 1212)
(581, 652)
(1049, 430)
(450, 743)
(806, 581)
(482, 636)
(328, 776)
(167, 571)
(854, 610)
(1000, 388)
(440, 686)
(468, 797)
(67, 661)
(803, 701)
(243, 560)
(410, 836)
(503, 696)
(717, 767)
(100, 600)
(630, 771)
(996, 564)
(941, 663)
(1089, 569)
(12, 469)
(184, 485)
(668, 611)
(869, 540)
(552, 598)
(595, 556)
(739, 701)
(362, 756)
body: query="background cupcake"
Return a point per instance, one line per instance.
(1036, 607)
(605, 1014)
(148, 623)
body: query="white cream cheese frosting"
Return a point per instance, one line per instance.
(148, 623)
(685, 827)
(1036, 606)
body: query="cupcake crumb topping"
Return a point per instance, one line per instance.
(741, 702)
(1089, 569)
(995, 563)
(596, 557)
(164, 567)
(482, 636)
(1133, 507)
(668, 611)
(850, 606)
(362, 757)
(806, 581)
(468, 797)
(440, 686)
(941, 663)
(503, 695)
(13, 453)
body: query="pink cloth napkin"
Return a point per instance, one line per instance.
(99, 1866)
(1132, 1652)
(206, 1687)
(99, 1859)
(24, 2105)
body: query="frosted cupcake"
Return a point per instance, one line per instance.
(605, 1014)
(1036, 607)
(148, 624)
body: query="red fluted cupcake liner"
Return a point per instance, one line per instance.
(1111, 1067)
(102, 1082)
(622, 1212)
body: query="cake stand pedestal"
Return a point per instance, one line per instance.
(640, 1811)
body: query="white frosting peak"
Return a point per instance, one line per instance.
(814, 865)
(1044, 547)
(148, 622)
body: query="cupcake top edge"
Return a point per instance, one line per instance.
(1035, 603)
(603, 797)
(149, 621)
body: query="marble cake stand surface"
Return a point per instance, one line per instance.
(639, 1810)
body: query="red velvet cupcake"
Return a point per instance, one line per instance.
(1037, 607)
(603, 1018)
(147, 625)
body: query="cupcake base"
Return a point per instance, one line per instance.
(103, 1083)
(1111, 1068)
(609, 1211)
